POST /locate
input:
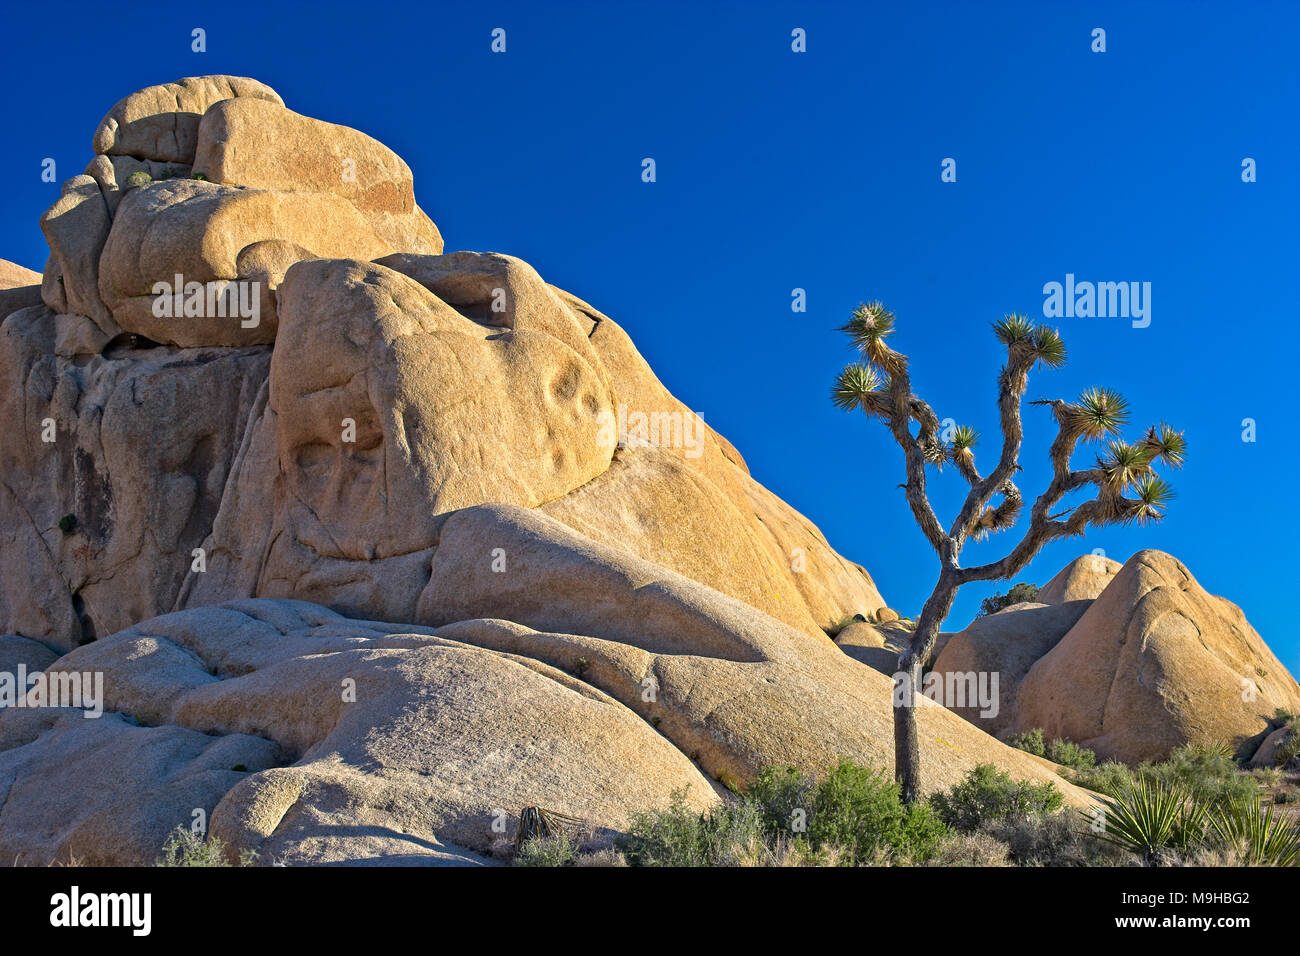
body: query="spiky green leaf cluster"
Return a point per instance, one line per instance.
(1123, 463)
(859, 386)
(1153, 495)
(1098, 412)
(1166, 444)
(1040, 342)
(868, 328)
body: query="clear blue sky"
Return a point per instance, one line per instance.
(820, 170)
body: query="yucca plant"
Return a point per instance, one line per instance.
(1126, 488)
(1265, 838)
(1146, 816)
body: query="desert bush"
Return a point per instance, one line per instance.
(1031, 741)
(679, 836)
(852, 816)
(186, 848)
(556, 850)
(1018, 594)
(1055, 839)
(1065, 752)
(1105, 778)
(1287, 793)
(138, 178)
(859, 810)
(977, 848)
(1209, 773)
(988, 794)
(1069, 754)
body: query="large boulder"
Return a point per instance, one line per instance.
(260, 144)
(391, 742)
(13, 276)
(455, 403)
(76, 227)
(1007, 644)
(198, 230)
(1083, 579)
(161, 122)
(20, 288)
(1153, 663)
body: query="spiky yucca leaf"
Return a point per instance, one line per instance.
(1267, 840)
(859, 386)
(867, 330)
(1152, 497)
(964, 438)
(1049, 347)
(1124, 463)
(1167, 444)
(1099, 412)
(1013, 329)
(1146, 816)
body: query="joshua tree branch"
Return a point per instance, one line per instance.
(903, 406)
(1011, 387)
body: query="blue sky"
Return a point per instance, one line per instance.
(821, 171)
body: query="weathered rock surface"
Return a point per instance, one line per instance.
(1152, 663)
(1007, 643)
(15, 650)
(13, 276)
(362, 740)
(1083, 579)
(260, 144)
(141, 443)
(453, 404)
(876, 645)
(161, 123)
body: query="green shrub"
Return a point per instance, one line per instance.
(558, 850)
(852, 816)
(1065, 752)
(1107, 778)
(1209, 773)
(989, 794)
(1069, 754)
(186, 848)
(138, 178)
(859, 810)
(1031, 741)
(68, 524)
(1018, 594)
(679, 836)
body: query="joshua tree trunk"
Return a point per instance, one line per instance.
(907, 686)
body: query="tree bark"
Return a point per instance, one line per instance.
(907, 685)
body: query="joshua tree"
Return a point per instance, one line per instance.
(1126, 488)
